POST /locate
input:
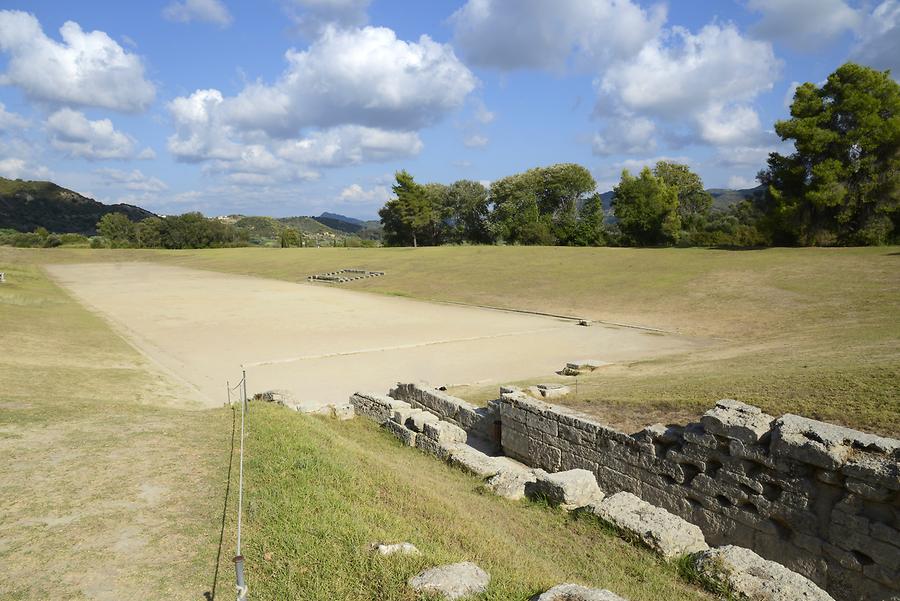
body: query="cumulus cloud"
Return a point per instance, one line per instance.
(86, 68)
(16, 168)
(76, 135)
(476, 141)
(131, 180)
(10, 120)
(532, 34)
(356, 194)
(669, 79)
(878, 44)
(209, 11)
(354, 96)
(739, 182)
(804, 24)
(626, 136)
(361, 76)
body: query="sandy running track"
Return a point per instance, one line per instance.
(322, 343)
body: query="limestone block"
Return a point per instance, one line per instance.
(433, 447)
(395, 549)
(570, 489)
(550, 391)
(756, 578)
(374, 406)
(407, 436)
(661, 531)
(444, 432)
(510, 483)
(830, 446)
(454, 581)
(404, 412)
(576, 592)
(417, 421)
(738, 421)
(474, 461)
(343, 411)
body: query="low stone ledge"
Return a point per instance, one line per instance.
(569, 490)
(406, 436)
(738, 421)
(829, 446)
(454, 581)
(753, 577)
(576, 592)
(663, 532)
(377, 407)
(510, 483)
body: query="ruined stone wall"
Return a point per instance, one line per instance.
(480, 422)
(820, 499)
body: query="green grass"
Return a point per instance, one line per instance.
(807, 330)
(320, 492)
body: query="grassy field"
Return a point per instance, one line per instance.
(812, 331)
(112, 485)
(320, 492)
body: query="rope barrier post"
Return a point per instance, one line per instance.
(238, 558)
(246, 400)
(228, 391)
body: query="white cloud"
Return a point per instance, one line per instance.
(708, 79)
(131, 180)
(210, 11)
(476, 141)
(482, 114)
(350, 145)
(361, 76)
(355, 96)
(534, 34)
(15, 168)
(626, 136)
(354, 193)
(608, 175)
(76, 135)
(146, 154)
(9, 121)
(878, 44)
(87, 68)
(804, 24)
(739, 182)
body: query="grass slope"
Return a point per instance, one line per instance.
(807, 330)
(320, 491)
(110, 490)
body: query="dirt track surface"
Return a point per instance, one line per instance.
(323, 343)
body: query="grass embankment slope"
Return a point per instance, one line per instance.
(320, 492)
(111, 488)
(810, 330)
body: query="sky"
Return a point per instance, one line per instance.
(295, 107)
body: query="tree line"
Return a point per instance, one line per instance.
(191, 230)
(841, 186)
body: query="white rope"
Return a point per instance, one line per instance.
(241, 590)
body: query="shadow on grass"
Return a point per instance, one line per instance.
(210, 595)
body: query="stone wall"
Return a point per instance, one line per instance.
(479, 422)
(820, 499)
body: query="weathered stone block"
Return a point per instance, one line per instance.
(406, 436)
(661, 531)
(510, 482)
(570, 489)
(444, 432)
(756, 578)
(738, 421)
(454, 581)
(417, 421)
(576, 592)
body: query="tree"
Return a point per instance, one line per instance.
(406, 217)
(591, 230)
(289, 237)
(150, 232)
(842, 183)
(468, 210)
(694, 202)
(117, 228)
(646, 209)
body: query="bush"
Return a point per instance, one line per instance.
(99, 242)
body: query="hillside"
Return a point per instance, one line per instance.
(27, 205)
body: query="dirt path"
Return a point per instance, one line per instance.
(323, 343)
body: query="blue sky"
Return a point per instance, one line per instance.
(294, 107)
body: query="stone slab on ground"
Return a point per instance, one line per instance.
(576, 592)
(395, 549)
(510, 482)
(453, 581)
(474, 461)
(570, 489)
(549, 391)
(737, 421)
(663, 532)
(444, 432)
(756, 578)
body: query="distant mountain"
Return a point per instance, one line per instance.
(339, 217)
(368, 230)
(27, 205)
(723, 198)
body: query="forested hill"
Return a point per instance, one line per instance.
(27, 205)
